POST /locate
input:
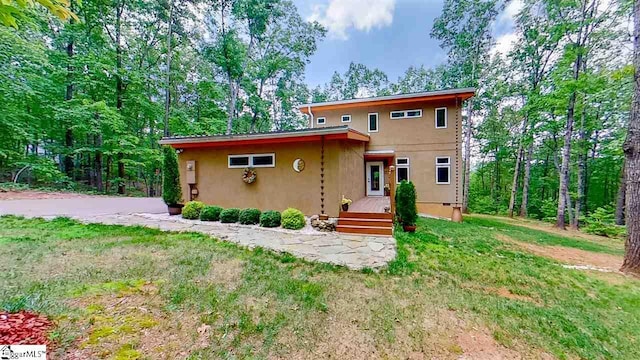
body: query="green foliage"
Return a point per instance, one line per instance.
(249, 216)
(602, 222)
(293, 219)
(406, 203)
(192, 209)
(171, 191)
(229, 215)
(270, 218)
(210, 213)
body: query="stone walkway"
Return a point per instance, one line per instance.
(352, 251)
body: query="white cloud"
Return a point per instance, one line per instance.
(340, 15)
(503, 28)
(504, 44)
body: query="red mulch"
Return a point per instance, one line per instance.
(24, 328)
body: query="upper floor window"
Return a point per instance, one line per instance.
(441, 118)
(346, 118)
(443, 170)
(252, 160)
(322, 120)
(373, 122)
(406, 114)
(402, 169)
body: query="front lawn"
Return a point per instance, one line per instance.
(132, 292)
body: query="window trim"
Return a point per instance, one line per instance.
(250, 156)
(446, 117)
(324, 120)
(443, 165)
(377, 123)
(343, 116)
(403, 166)
(404, 114)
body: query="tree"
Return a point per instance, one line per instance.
(464, 30)
(631, 149)
(12, 11)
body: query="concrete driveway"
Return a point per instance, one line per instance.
(82, 206)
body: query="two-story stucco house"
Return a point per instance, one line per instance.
(358, 148)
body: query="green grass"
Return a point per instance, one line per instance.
(93, 280)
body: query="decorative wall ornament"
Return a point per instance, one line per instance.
(249, 175)
(298, 165)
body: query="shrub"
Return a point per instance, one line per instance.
(270, 218)
(249, 216)
(293, 219)
(210, 213)
(602, 222)
(171, 192)
(229, 215)
(406, 203)
(192, 209)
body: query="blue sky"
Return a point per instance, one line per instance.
(387, 34)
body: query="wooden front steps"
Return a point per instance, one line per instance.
(365, 223)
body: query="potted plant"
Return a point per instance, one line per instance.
(406, 210)
(345, 203)
(171, 192)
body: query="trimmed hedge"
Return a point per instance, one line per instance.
(210, 213)
(270, 219)
(192, 209)
(230, 215)
(406, 203)
(249, 216)
(293, 219)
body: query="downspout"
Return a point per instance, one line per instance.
(310, 115)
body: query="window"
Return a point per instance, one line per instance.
(402, 169)
(346, 118)
(373, 122)
(252, 160)
(406, 114)
(441, 118)
(443, 170)
(322, 120)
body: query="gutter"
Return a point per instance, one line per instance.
(311, 114)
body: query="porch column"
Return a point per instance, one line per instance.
(392, 188)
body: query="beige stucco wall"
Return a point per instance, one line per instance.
(276, 188)
(352, 182)
(419, 140)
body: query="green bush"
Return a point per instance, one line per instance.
(406, 203)
(192, 209)
(602, 222)
(270, 218)
(249, 216)
(293, 219)
(171, 192)
(229, 215)
(210, 213)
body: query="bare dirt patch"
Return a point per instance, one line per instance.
(35, 194)
(226, 273)
(567, 255)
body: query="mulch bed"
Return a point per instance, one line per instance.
(24, 328)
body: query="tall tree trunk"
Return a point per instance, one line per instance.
(167, 91)
(582, 170)
(467, 157)
(98, 163)
(119, 91)
(68, 135)
(516, 171)
(631, 149)
(524, 207)
(622, 193)
(232, 105)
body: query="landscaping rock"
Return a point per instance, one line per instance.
(323, 225)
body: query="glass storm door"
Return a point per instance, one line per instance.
(375, 178)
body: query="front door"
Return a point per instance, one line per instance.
(375, 178)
